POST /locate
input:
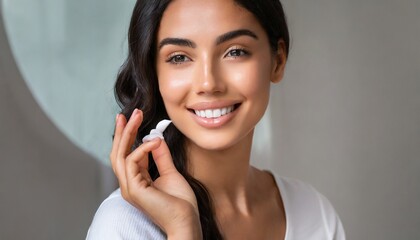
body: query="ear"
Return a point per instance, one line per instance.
(279, 62)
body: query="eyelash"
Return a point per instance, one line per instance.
(240, 52)
(172, 58)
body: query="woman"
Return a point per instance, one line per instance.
(207, 66)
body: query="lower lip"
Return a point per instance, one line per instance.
(214, 122)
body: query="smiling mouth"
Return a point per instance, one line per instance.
(215, 112)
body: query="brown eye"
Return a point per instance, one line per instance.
(178, 59)
(237, 53)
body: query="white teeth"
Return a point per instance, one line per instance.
(213, 113)
(209, 113)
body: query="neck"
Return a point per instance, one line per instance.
(226, 173)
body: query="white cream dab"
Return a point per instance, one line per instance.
(158, 131)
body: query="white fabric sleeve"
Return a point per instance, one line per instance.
(117, 219)
(332, 222)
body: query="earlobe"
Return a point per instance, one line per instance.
(279, 63)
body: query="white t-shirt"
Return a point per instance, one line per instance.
(309, 216)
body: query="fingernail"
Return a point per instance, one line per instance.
(116, 117)
(134, 112)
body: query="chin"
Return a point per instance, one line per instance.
(209, 144)
(217, 142)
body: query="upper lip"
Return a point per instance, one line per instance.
(211, 105)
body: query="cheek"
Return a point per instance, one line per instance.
(253, 79)
(173, 85)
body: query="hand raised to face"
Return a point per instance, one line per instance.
(169, 200)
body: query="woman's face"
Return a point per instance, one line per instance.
(214, 66)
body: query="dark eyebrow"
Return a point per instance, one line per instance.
(234, 34)
(178, 42)
(221, 39)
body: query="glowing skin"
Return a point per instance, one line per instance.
(158, 131)
(214, 68)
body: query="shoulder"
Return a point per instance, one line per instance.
(309, 214)
(118, 219)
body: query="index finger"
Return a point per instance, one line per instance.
(120, 123)
(129, 134)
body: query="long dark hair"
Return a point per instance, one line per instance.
(137, 86)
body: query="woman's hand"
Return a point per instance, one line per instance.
(169, 200)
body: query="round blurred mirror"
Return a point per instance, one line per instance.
(69, 52)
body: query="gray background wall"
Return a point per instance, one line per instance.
(346, 119)
(348, 112)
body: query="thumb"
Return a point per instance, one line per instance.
(163, 159)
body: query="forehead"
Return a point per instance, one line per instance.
(189, 18)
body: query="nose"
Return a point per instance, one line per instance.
(209, 78)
